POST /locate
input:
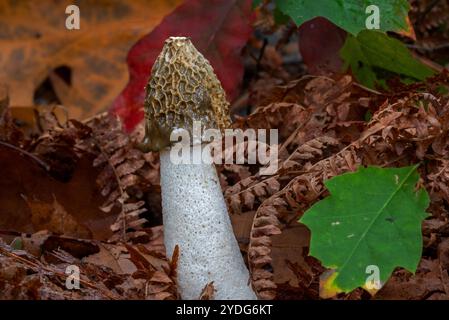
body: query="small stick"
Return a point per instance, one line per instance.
(26, 153)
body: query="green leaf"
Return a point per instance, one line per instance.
(279, 17)
(350, 15)
(17, 244)
(256, 3)
(372, 52)
(372, 218)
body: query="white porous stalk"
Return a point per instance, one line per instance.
(196, 219)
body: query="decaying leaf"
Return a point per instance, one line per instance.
(85, 67)
(33, 200)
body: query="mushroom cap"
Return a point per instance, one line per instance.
(183, 88)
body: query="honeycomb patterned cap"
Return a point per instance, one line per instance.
(183, 88)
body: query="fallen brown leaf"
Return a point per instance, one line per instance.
(85, 67)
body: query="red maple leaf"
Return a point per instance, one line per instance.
(219, 29)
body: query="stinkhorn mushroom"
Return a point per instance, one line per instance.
(183, 88)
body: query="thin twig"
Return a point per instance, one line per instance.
(96, 116)
(430, 48)
(26, 153)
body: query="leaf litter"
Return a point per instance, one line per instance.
(87, 196)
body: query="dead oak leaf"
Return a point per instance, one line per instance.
(53, 217)
(35, 45)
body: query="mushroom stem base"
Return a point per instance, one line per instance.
(196, 219)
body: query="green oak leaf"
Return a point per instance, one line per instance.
(372, 52)
(350, 15)
(371, 218)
